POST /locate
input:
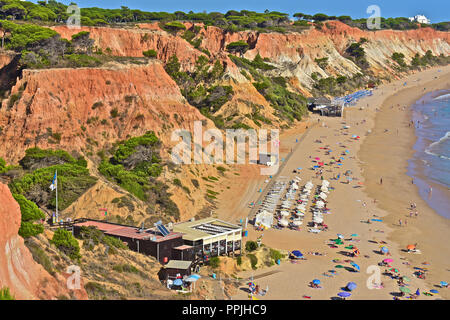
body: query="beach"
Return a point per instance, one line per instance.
(381, 154)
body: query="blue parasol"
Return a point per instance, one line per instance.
(177, 282)
(434, 291)
(297, 253)
(444, 284)
(417, 292)
(351, 286)
(316, 281)
(384, 249)
(355, 266)
(344, 294)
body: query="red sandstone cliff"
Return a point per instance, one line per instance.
(77, 103)
(18, 271)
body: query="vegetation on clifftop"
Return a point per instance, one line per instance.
(134, 165)
(289, 105)
(36, 172)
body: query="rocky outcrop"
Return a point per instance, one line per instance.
(294, 54)
(88, 109)
(132, 42)
(18, 271)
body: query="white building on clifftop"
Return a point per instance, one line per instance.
(420, 19)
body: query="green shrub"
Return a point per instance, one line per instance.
(239, 260)
(5, 294)
(114, 242)
(275, 254)
(30, 213)
(214, 262)
(74, 176)
(253, 261)
(66, 242)
(150, 53)
(126, 268)
(114, 113)
(137, 176)
(41, 257)
(251, 246)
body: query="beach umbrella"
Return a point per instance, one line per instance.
(417, 292)
(354, 235)
(283, 222)
(177, 282)
(318, 220)
(284, 213)
(351, 286)
(410, 247)
(388, 260)
(443, 284)
(344, 294)
(316, 281)
(340, 236)
(393, 270)
(406, 279)
(323, 195)
(297, 223)
(316, 158)
(384, 249)
(339, 266)
(320, 204)
(405, 289)
(297, 253)
(434, 291)
(355, 266)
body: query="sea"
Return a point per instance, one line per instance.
(430, 165)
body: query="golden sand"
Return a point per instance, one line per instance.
(377, 154)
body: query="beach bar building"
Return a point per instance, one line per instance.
(147, 241)
(210, 237)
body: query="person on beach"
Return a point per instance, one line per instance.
(381, 180)
(406, 223)
(400, 222)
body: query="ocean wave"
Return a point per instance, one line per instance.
(436, 143)
(436, 155)
(443, 97)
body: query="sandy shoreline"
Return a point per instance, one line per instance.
(429, 230)
(350, 204)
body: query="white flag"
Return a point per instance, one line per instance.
(54, 184)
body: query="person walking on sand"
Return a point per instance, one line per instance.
(406, 223)
(381, 180)
(400, 222)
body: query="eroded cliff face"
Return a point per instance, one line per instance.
(25, 278)
(292, 53)
(91, 108)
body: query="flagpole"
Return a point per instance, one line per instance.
(56, 196)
